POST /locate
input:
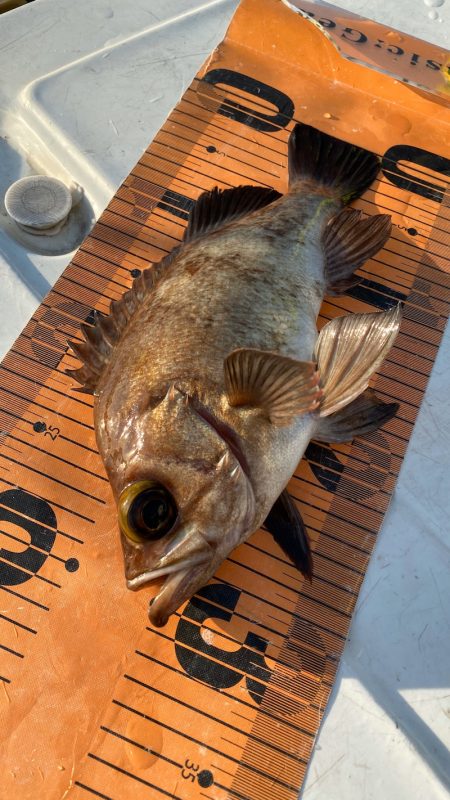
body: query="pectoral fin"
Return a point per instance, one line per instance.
(281, 387)
(285, 523)
(348, 351)
(365, 414)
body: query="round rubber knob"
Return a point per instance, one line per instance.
(38, 202)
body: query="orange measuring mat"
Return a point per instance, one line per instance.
(226, 700)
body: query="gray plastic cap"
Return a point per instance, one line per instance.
(38, 202)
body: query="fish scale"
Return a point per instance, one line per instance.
(178, 702)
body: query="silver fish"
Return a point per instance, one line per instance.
(210, 377)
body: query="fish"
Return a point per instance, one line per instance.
(210, 377)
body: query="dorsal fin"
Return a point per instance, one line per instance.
(220, 206)
(101, 337)
(212, 210)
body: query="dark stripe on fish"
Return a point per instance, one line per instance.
(229, 436)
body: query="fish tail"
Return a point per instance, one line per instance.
(319, 157)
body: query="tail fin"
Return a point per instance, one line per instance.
(330, 162)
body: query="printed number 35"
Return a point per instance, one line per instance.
(189, 770)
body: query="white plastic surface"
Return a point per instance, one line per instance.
(92, 84)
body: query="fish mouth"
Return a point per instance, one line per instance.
(150, 575)
(178, 587)
(186, 564)
(182, 581)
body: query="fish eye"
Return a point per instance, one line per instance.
(147, 511)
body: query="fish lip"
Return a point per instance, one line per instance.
(177, 588)
(150, 575)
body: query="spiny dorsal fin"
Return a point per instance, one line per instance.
(349, 350)
(281, 387)
(101, 337)
(218, 207)
(349, 241)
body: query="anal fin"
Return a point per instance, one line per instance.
(349, 240)
(365, 414)
(285, 523)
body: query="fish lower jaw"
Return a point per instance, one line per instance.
(151, 575)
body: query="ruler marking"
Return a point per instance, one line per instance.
(293, 614)
(122, 284)
(423, 252)
(60, 436)
(213, 123)
(290, 600)
(59, 413)
(134, 777)
(294, 120)
(54, 503)
(5, 560)
(370, 274)
(384, 292)
(34, 548)
(58, 458)
(179, 177)
(284, 561)
(56, 480)
(413, 167)
(352, 482)
(232, 125)
(76, 399)
(258, 623)
(10, 650)
(224, 724)
(320, 490)
(223, 635)
(239, 700)
(196, 143)
(147, 229)
(206, 162)
(24, 597)
(206, 133)
(242, 674)
(291, 121)
(388, 185)
(181, 733)
(92, 791)
(237, 671)
(19, 624)
(95, 292)
(141, 746)
(20, 513)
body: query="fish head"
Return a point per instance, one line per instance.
(184, 500)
